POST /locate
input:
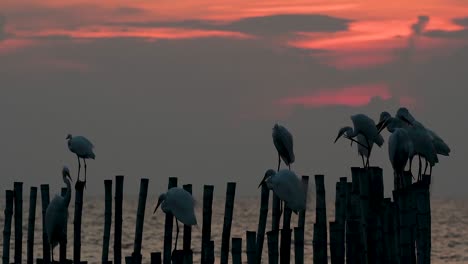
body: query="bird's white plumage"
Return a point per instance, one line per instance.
(289, 188)
(399, 147)
(283, 141)
(366, 126)
(181, 204)
(82, 147)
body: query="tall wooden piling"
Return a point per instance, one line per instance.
(187, 229)
(206, 227)
(388, 236)
(156, 258)
(272, 237)
(334, 244)
(275, 212)
(423, 203)
(45, 243)
(236, 250)
(209, 252)
(107, 220)
(402, 199)
(374, 216)
(136, 256)
(228, 211)
(299, 245)
(119, 181)
(352, 222)
(18, 191)
(285, 241)
(320, 226)
(168, 226)
(9, 199)
(31, 225)
(79, 189)
(364, 182)
(262, 219)
(63, 243)
(251, 247)
(302, 214)
(338, 254)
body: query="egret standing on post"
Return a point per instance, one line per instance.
(180, 204)
(57, 215)
(399, 149)
(283, 141)
(83, 148)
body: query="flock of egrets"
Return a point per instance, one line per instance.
(409, 138)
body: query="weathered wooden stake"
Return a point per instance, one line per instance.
(45, 242)
(262, 219)
(18, 190)
(299, 245)
(285, 243)
(63, 244)
(272, 237)
(119, 181)
(364, 181)
(136, 256)
(374, 217)
(334, 244)
(206, 228)
(275, 213)
(9, 199)
(251, 247)
(31, 225)
(338, 253)
(209, 252)
(320, 227)
(424, 220)
(79, 188)
(236, 250)
(156, 258)
(168, 227)
(107, 220)
(352, 222)
(302, 214)
(187, 229)
(387, 229)
(401, 197)
(228, 210)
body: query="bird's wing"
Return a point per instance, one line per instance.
(181, 205)
(365, 125)
(283, 142)
(81, 146)
(290, 189)
(441, 147)
(56, 218)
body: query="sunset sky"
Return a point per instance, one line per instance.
(192, 88)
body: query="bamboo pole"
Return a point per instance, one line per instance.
(299, 252)
(302, 214)
(63, 243)
(236, 250)
(206, 228)
(168, 226)
(119, 182)
(228, 210)
(251, 247)
(156, 258)
(209, 252)
(107, 220)
(272, 237)
(136, 256)
(352, 222)
(285, 242)
(364, 182)
(299, 245)
(79, 188)
(45, 242)
(262, 219)
(401, 197)
(424, 221)
(340, 219)
(187, 229)
(320, 227)
(374, 217)
(9, 200)
(18, 191)
(334, 244)
(31, 225)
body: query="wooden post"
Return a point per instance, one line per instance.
(228, 210)
(168, 227)
(352, 222)
(31, 225)
(401, 197)
(364, 182)
(275, 213)
(136, 256)
(45, 242)
(187, 229)
(334, 245)
(320, 226)
(299, 245)
(119, 182)
(262, 219)
(302, 214)
(63, 244)
(206, 228)
(79, 188)
(236, 250)
(395, 215)
(107, 220)
(9, 198)
(272, 237)
(251, 247)
(424, 220)
(18, 191)
(374, 216)
(387, 229)
(340, 219)
(285, 243)
(209, 252)
(156, 258)
(177, 256)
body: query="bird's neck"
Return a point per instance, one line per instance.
(67, 196)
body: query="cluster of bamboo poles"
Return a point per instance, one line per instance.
(367, 227)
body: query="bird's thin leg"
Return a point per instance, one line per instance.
(52, 254)
(410, 164)
(425, 169)
(363, 162)
(177, 234)
(289, 166)
(420, 167)
(430, 170)
(84, 171)
(368, 151)
(279, 161)
(79, 167)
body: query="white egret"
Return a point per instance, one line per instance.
(283, 141)
(288, 187)
(365, 126)
(180, 204)
(83, 148)
(399, 148)
(57, 215)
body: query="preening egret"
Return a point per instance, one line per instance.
(180, 204)
(83, 148)
(57, 215)
(365, 126)
(399, 148)
(283, 141)
(288, 187)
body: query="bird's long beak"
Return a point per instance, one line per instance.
(263, 180)
(157, 206)
(382, 125)
(339, 135)
(69, 177)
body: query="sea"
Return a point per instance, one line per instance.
(449, 228)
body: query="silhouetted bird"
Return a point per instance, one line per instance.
(283, 141)
(83, 148)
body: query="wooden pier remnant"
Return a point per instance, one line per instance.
(228, 211)
(320, 227)
(79, 192)
(136, 255)
(45, 198)
(236, 250)
(262, 221)
(206, 227)
(107, 220)
(9, 200)
(18, 191)
(168, 227)
(31, 225)
(251, 247)
(119, 181)
(272, 237)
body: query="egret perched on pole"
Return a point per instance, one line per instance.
(83, 148)
(288, 187)
(56, 216)
(399, 148)
(283, 141)
(365, 126)
(180, 204)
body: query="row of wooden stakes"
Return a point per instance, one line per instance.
(367, 227)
